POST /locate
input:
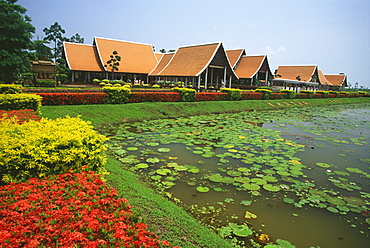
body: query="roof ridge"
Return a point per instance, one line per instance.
(134, 42)
(200, 44)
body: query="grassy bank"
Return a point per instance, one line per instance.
(107, 114)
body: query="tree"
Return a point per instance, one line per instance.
(113, 63)
(55, 34)
(163, 50)
(41, 50)
(15, 38)
(76, 39)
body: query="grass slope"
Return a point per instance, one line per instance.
(108, 114)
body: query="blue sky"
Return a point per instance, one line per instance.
(333, 34)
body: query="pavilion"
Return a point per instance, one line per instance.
(253, 70)
(297, 77)
(338, 81)
(203, 65)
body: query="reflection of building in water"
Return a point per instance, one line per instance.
(43, 70)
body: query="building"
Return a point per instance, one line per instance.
(297, 77)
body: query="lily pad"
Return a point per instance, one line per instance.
(249, 215)
(132, 148)
(324, 165)
(142, 166)
(332, 209)
(163, 172)
(251, 186)
(270, 179)
(234, 173)
(202, 189)
(288, 200)
(354, 170)
(258, 181)
(271, 187)
(152, 144)
(152, 160)
(164, 149)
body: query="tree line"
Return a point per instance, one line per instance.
(18, 46)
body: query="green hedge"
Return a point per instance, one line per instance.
(10, 89)
(266, 93)
(291, 94)
(20, 101)
(233, 94)
(49, 147)
(309, 92)
(117, 95)
(187, 95)
(46, 83)
(63, 78)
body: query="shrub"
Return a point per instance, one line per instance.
(187, 95)
(72, 98)
(116, 85)
(62, 90)
(49, 147)
(95, 80)
(108, 85)
(106, 81)
(27, 76)
(117, 95)
(290, 93)
(233, 94)
(102, 84)
(63, 78)
(46, 83)
(70, 210)
(251, 95)
(324, 93)
(19, 116)
(308, 92)
(20, 101)
(266, 93)
(334, 93)
(10, 89)
(154, 97)
(156, 86)
(211, 96)
(279, 95)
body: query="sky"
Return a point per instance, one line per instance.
(332, 34)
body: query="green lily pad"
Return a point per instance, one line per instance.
(324, 165)
(258, 181)
(163, 172)
(251, 186)
(164, 149)
(332, 209)
(354, 170)
(288, 200)
(142, 166)
(271, 187)
(284, 243)
(132, 148)
(354, 200)
(152, 160)
(234, 173)
(152, 144)
(246, 203)
(341, 173)
(202, 189)
(270, 179)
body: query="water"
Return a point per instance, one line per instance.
(331, 203)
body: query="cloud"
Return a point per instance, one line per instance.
(276, 52)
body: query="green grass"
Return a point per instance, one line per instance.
(167, 220)
(108, 114)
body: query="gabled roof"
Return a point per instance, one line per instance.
(337, 80)
(162, 63)
(158, 56)
(235, 55)
(82, 57)
(292, 72)
(249, 66)
(190, 61)
(323, 79)
(135, 57)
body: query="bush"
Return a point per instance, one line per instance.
(10, 89)
(49, 147)
(136, 97)
(106, 81)
(96, 81)
(19, 116)
(117, 95)
(27, 76)
(210, 96)
(20, 101)
(290, 93)
(335, 93)
(116, 85)
(72, 98)
(324, 93)
(233, 94)
(102, 84)
(46, 83)
(63, 78)
(266, 93)
(156, 86)
(309, 93)
(187, 95)
(251, 95)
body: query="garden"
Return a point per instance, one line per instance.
(104, 180)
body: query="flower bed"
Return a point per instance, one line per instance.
(318, 95)
(61, 90)
(19, 116)
(72, 98)
(69, 210)
(278, 95)
(154, 97)
(211, 96)
(251, 95)
(302, 96)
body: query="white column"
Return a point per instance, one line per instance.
(206, 78)
(230, 82)
(212, 76)
(267, 78)
(225, 75)
(217, 82)
(73, 76)
(199, 82)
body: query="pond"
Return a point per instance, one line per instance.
(293, 176)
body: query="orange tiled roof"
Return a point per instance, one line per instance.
(162, 63)
(190, 60)
(249, 66)
(323, 79)
(135, 57)
(235, 55)
(336, 80)
(81, 57)
(158, 56)
(291, 72)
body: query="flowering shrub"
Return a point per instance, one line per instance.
(117, 95)
(233, 94)
(251, 95)
(303, 95)
(266, 93)
(10, 89)
(308, 92)
(279, 95)
(187, 95)
(72, 98)
(318, 95)
(20, 101)
(49, 147)
(211, 96)
(290, 93)
(69, 210)
(154, 97)
(19, 116)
